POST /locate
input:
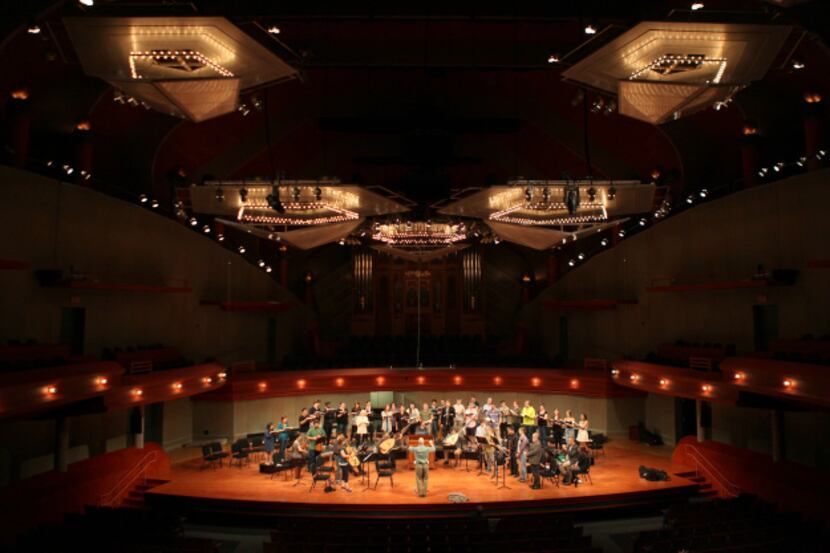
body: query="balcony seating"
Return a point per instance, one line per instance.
(539, 532)
(101, 529)
(744, 524)
(140, 359)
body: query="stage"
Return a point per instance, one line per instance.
(245, 491)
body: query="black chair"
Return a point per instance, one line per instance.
(209, 458)
(216, 449)
(385, 470)
(597, 443)
(321, 473)
(239, 452)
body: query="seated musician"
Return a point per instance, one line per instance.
(582, 464)
(422, 429)
(297, 453)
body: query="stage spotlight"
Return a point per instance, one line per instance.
(342, 242)
(33, 30)
(604, 242)
(571, 262)
(621, 233)
(553, 58)
(273, 200)
(268, 269)
(273, 30)
(87, 3)
(154, 204)
(643, 221)
(241, 249)
(206, 229)
(580, 256)
(703, 193)
(696, 6)
(690, 199)
(193, 221)
(797, 64)
(244, 110)
(220, 237)
(143, 198)
(261, 263)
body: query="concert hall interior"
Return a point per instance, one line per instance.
(436, 276)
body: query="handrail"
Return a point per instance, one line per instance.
(731, 489)
(110, 499)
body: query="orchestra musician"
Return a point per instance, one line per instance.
(582, 437)
(361, 422)
(386, 419)
(297, 453)
(516, 416)
(471, 418)
(542, 418)
(556, 427)
(269, 441)
(528, 418)
(283, 436)
(342, 418)
(521, 454)
(459, 415)
(534, 458)
(329, 414)
(435, 409)
(447, 418)
(305, 420)
(400, 419)
(354, 413)
(568, 422)
(315, 435)
(504, 413)
(512, 447)
(341, 456)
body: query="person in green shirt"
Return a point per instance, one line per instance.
(529, 418)
(314, 435)
(421, 453)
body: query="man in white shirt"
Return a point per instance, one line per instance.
(458, 424)
(471, 418)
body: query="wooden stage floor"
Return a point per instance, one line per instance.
(616, 483)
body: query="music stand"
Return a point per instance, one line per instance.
(504, 465)
(366, 465)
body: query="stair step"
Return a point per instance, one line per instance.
(135, 503)
(156, 481)
(708, 493)
(134, 494)
(687, 474)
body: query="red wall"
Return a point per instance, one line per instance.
(47, 497)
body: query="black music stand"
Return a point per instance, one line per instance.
(481, 456)
(366, 466)
(505, 463)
